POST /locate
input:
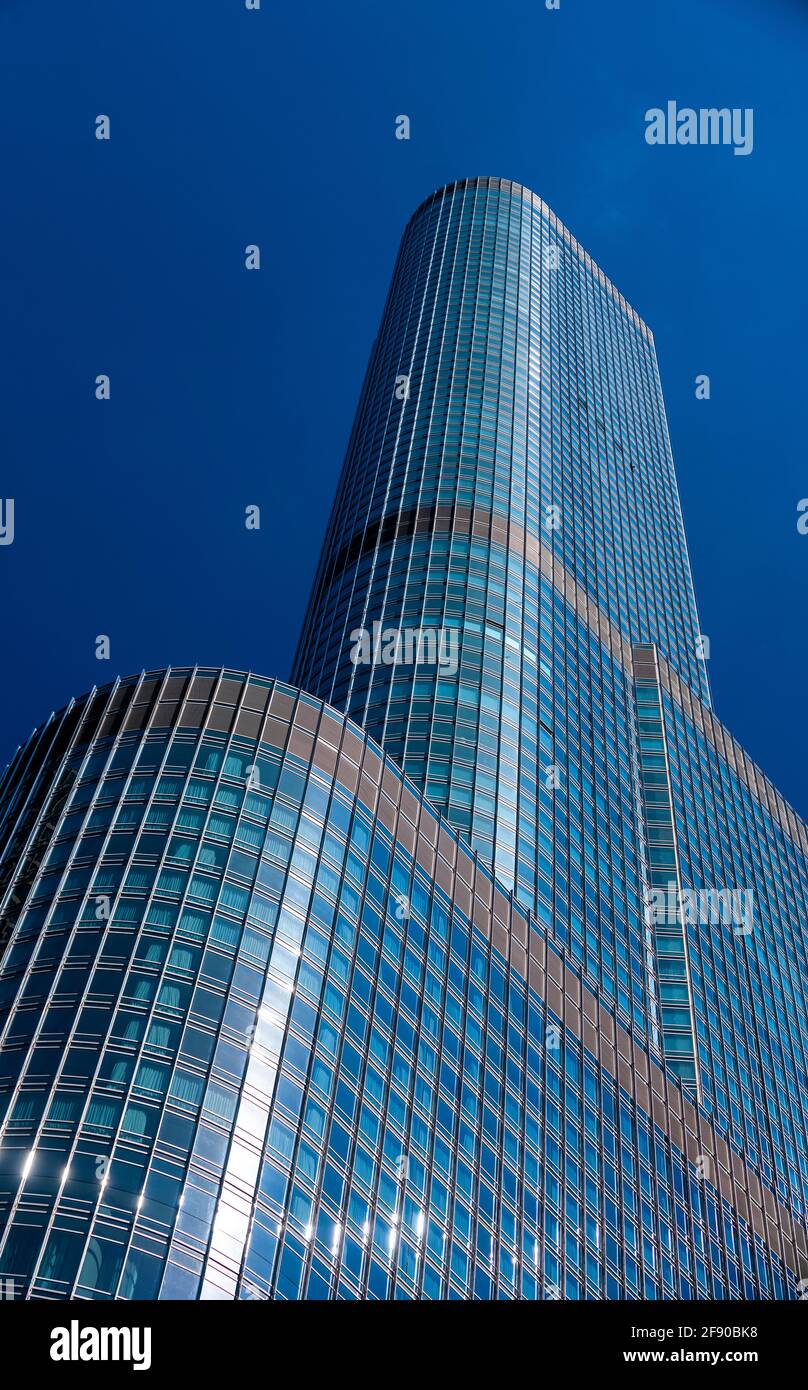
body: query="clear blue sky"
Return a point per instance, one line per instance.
(229, 388)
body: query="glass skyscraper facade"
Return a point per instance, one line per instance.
(510, 453)
(474, 973)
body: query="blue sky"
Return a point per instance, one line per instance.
(227, 388)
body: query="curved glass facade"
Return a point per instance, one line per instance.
(270, 1029)
(498, 991)
(510, 445)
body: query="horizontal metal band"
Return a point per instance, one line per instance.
(496, 529)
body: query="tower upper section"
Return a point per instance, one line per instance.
(509, 488)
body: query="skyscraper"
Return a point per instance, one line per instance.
(510, 449)
(469, 965)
